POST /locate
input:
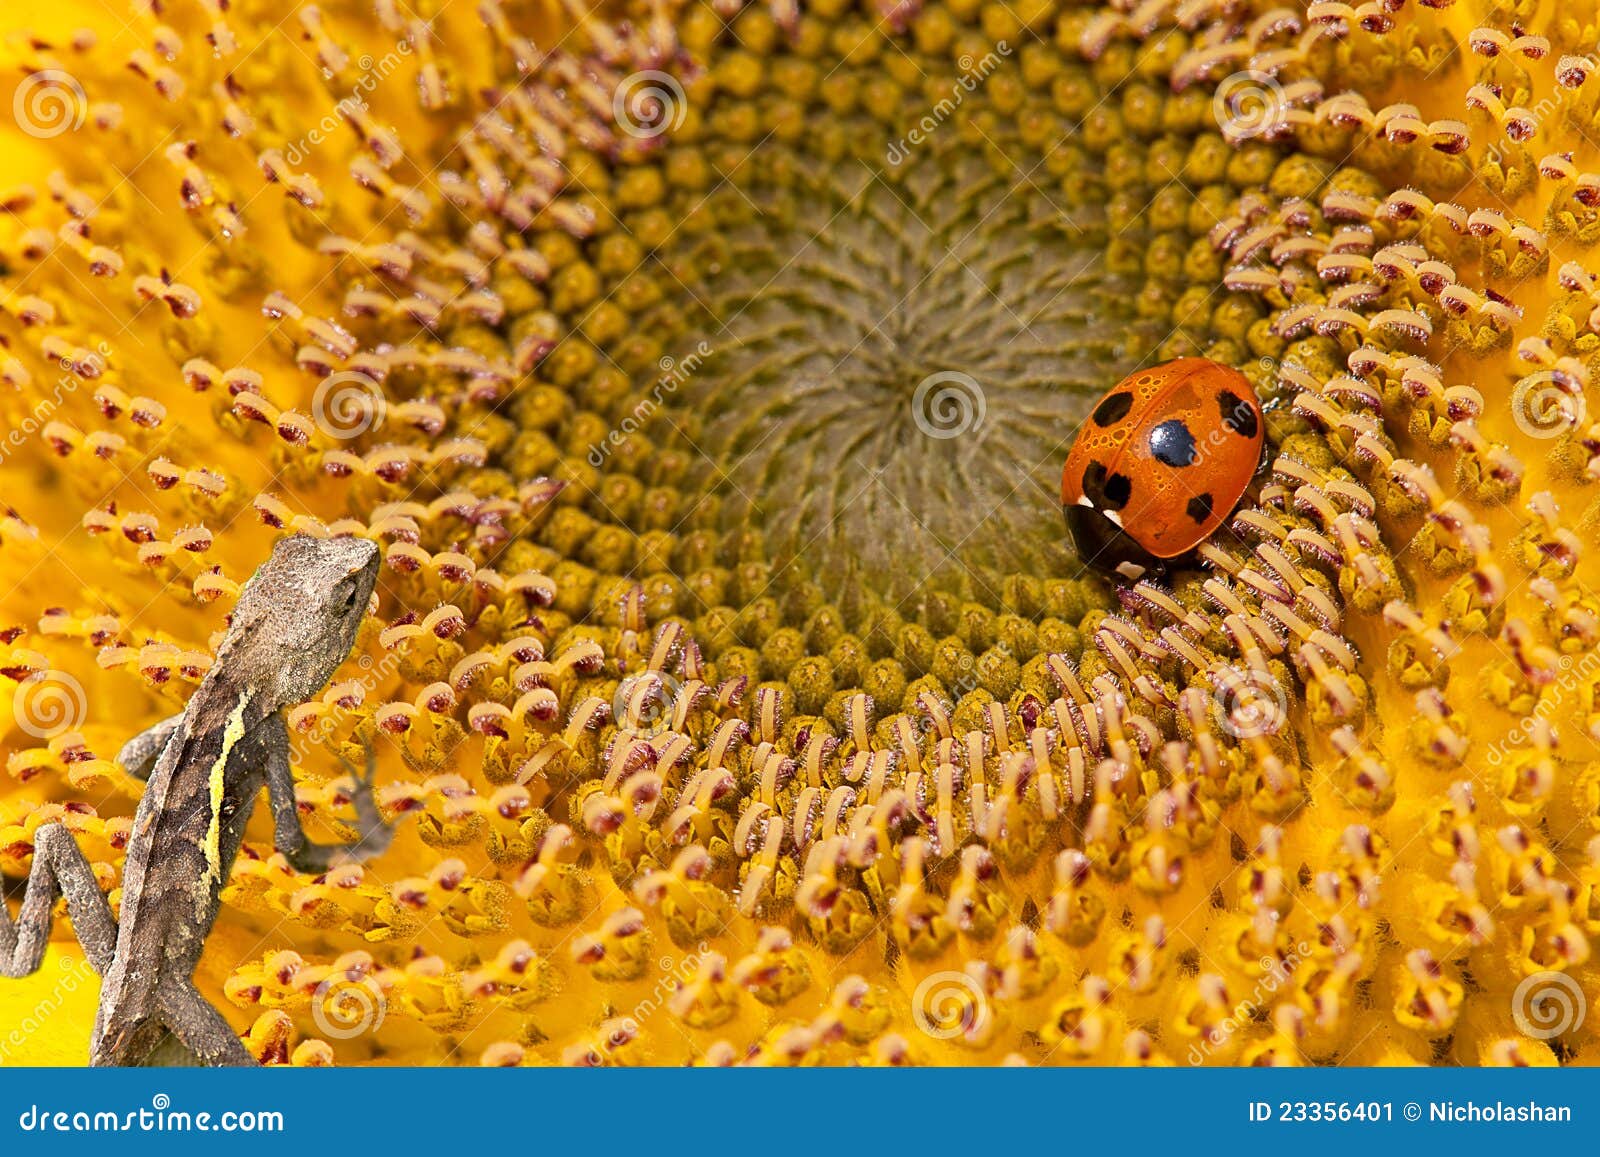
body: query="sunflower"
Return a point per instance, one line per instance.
(704, 372)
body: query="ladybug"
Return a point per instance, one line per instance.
(1160, 464)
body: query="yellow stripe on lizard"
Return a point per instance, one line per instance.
(232, 732)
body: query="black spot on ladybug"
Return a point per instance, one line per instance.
(1237, 414)
(1199, 507)
(1094, 482)
(1113, 408)
(1171, 444)
(1106, 491)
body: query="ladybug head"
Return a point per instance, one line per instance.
(1102, 542)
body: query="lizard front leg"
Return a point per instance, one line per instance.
(290, 839)
(138, 756)
(59, 868)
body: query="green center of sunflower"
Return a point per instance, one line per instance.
(887, 278)
(903, 335)
(901, 361)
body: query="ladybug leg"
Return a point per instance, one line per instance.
(1263, 463)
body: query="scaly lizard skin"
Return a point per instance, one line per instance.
(295, 622)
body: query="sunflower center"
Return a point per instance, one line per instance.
(900, 354)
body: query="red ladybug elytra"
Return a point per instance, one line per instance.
(1160, 463)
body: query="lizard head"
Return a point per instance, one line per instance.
(297, 617)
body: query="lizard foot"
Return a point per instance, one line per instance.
(375, 833)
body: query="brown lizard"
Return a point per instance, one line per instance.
(294, 623)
